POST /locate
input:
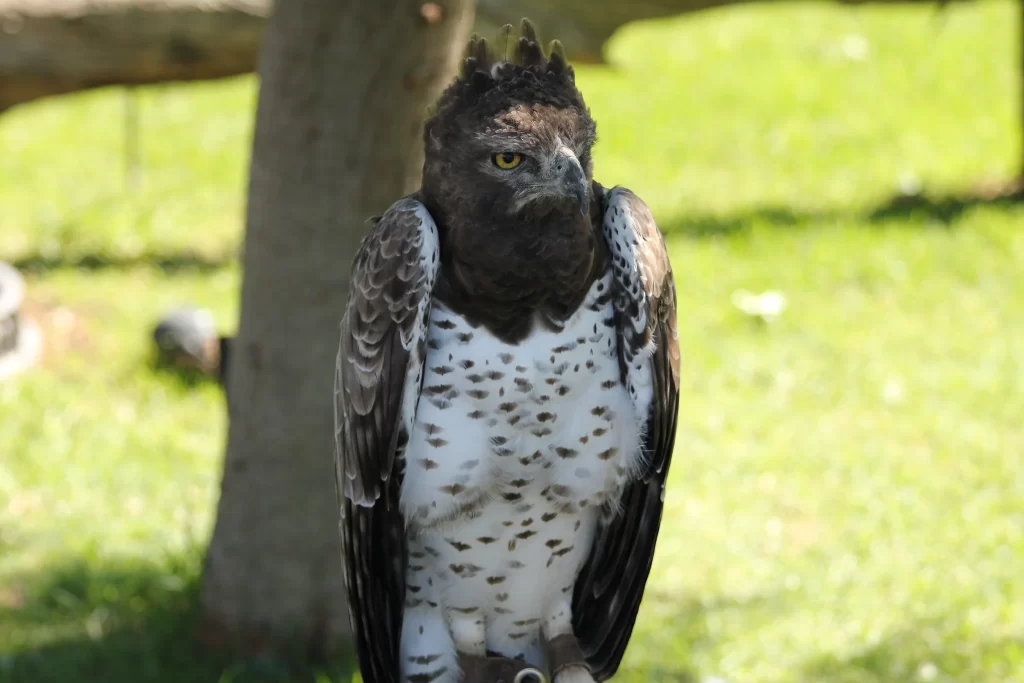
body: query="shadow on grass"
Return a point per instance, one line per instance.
(129, 623)
(181, 262)
(190, 377)
(912, 210)
(918, 211)
(948, 209)
(136, 623)
(928, 650)
(698, 226)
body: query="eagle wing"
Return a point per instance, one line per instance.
(377, 384)
(611, 583)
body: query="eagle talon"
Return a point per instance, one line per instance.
(574, 674)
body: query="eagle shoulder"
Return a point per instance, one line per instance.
(381, 352)
(611, 583)
(645, 296)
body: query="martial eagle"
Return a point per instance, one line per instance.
(506, 393)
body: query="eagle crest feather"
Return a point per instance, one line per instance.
(491, 71)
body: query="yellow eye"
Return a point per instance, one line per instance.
(507, 160)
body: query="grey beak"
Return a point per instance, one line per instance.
(583, 197)
(574, 181)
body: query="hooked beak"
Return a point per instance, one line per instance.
(572, 179)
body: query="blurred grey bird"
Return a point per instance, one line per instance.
(186, 337)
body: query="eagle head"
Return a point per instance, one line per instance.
(509, 141)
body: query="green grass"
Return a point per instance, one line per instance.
(847, 500)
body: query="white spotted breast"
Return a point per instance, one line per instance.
(548, 416)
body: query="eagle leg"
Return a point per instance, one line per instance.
(564, 653)
(480, 666)
(565, 658)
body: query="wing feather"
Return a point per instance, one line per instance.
(611, 584)
(377, 386)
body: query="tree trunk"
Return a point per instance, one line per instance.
(344, 89)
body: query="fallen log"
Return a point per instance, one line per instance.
(50, 47)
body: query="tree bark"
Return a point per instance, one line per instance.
(344, 87)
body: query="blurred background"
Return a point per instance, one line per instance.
(839, 186)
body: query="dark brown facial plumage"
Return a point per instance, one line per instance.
(514, 241)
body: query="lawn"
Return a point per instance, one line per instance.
(847, 495)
